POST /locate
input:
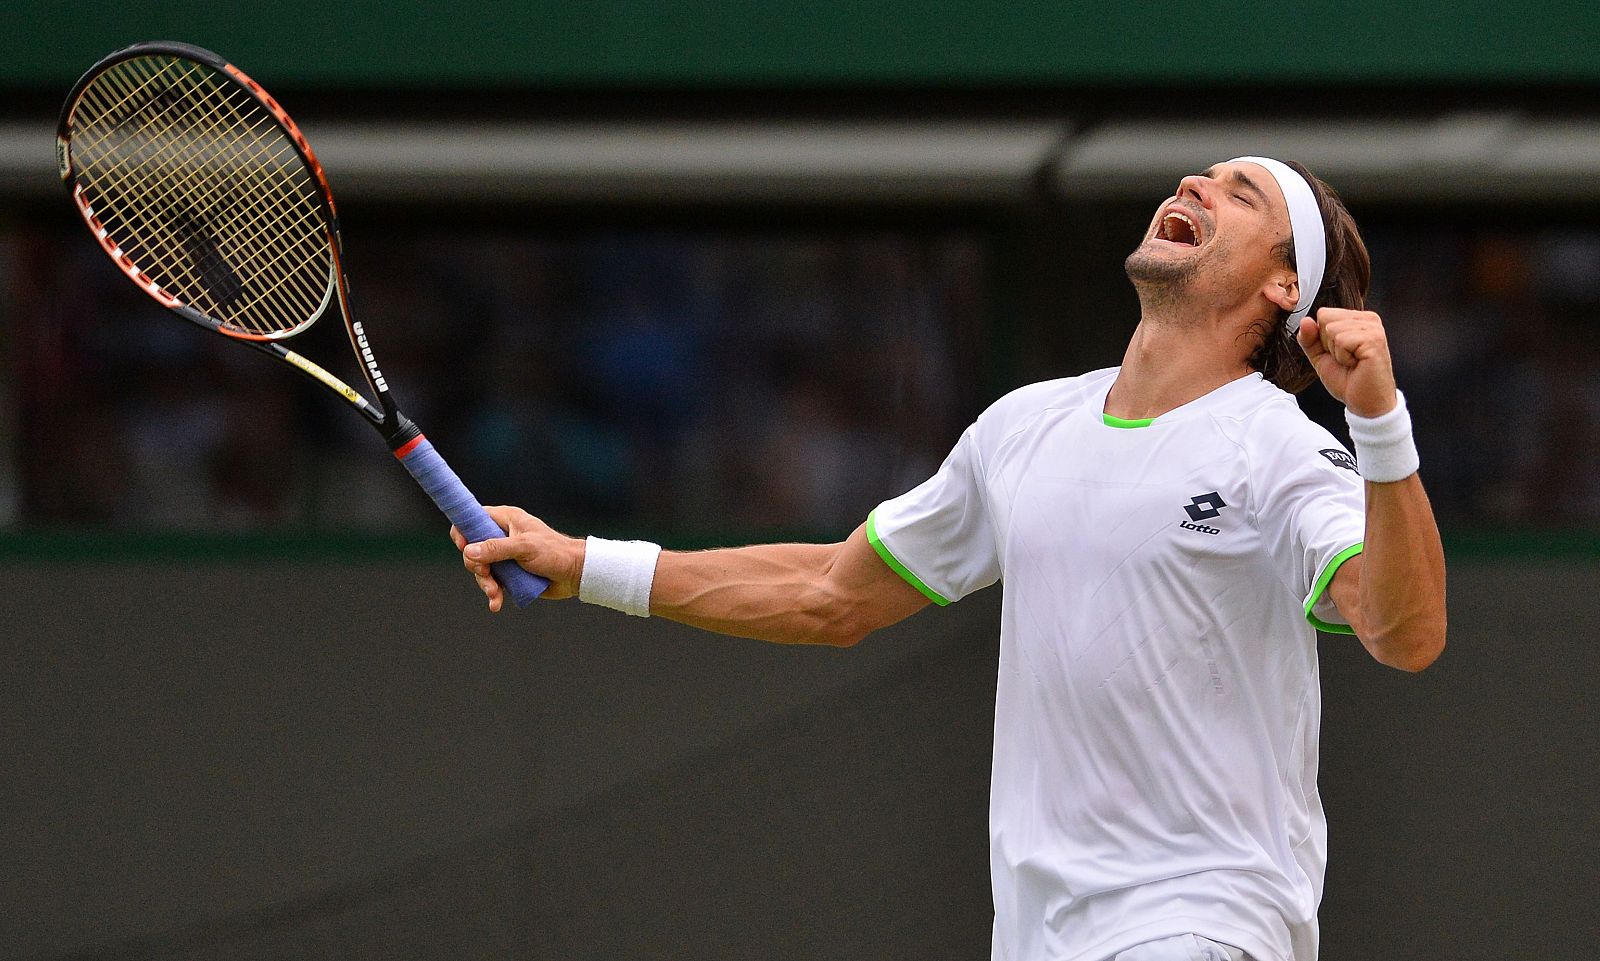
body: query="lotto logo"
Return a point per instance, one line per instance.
(1203, 507)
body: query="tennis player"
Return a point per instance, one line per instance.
(1171, 533)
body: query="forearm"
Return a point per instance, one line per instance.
(1402, 585)
(784, 593)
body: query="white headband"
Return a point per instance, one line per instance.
(1305, 225)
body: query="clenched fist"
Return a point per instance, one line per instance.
(1350, 352)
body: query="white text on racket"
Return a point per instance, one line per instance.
(366, 355)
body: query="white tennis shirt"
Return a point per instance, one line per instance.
(1157, 712)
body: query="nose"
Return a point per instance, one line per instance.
(1197, 188)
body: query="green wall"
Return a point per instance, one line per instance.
(709, 43)
(267, 759)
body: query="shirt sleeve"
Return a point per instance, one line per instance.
(1313, 516)
(938, 535)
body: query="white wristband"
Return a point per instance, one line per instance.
(618, 574)
(1385, 450)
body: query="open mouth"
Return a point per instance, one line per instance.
(1178, 228)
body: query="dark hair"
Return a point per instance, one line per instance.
(1344, 284)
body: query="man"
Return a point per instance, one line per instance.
(1171, 533)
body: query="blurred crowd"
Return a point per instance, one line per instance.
(707, 381)
(684, 381)
(1489, 333)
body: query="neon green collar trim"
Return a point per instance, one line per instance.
(1127, 424)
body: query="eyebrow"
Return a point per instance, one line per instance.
(1240, 178)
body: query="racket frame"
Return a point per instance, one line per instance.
(404, 438)
(396, 429)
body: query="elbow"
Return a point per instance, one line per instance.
(1413, 662)
(1414, 648)
(838, 634)
(845, 638)
(848, 629)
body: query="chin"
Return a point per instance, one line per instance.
(1149, 264)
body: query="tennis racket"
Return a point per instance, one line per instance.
(208, 197)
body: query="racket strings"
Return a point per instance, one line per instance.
(207, 186)
(282, 191)
(143, 156)
(165, 204)
(130, 224)
(201, 188)
(210, 257)
(235, 168)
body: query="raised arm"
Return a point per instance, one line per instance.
(1393, 592)
(785, 593)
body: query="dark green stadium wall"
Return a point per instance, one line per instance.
(710, 43)
(363, 764)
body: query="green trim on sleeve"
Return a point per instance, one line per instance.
(1323, 580)
(1127, 424)
(894, 562)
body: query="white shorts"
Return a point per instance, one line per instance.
(1184, 947)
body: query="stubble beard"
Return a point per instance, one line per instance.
(1161, 284)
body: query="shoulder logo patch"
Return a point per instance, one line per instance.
(1340, 458)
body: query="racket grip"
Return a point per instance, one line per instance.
(467, 515)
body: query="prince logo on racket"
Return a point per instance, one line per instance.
(1154, 787)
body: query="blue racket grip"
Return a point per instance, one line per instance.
(467, 514)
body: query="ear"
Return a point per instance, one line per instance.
(1283, 289)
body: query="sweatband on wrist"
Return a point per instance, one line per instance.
(1385, 450)
(618, 574)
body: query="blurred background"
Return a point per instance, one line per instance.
(714, 273)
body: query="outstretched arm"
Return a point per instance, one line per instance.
(786, 593)
(1393, 592)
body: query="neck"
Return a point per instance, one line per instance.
(1170, 362)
